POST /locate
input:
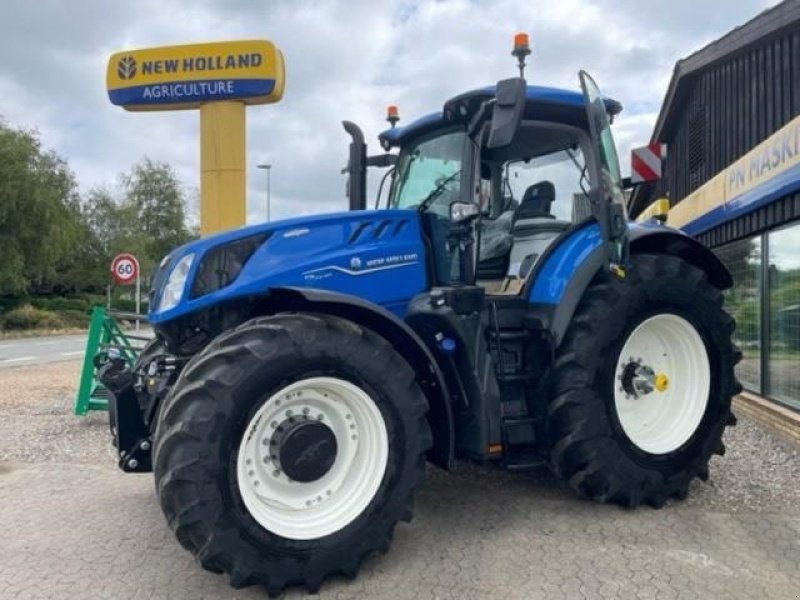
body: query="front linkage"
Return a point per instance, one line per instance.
(134, 396)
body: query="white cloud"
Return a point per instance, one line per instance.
(345, 60)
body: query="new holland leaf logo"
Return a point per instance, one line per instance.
(126, 67)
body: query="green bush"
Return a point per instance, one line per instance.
(92, 299)
(8, 303)
(126, 305)
(59, 303)
(75, 318)
(30, 317)
(747, 321)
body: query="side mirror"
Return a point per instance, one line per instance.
(461, 212)
(508, 110)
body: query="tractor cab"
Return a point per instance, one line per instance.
(501, 173)
(525, 194)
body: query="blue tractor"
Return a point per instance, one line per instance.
(499, 307)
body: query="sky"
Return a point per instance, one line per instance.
(344, 60)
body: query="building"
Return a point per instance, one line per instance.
(731, 122)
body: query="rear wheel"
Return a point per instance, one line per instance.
(289, 449)
(642, 385)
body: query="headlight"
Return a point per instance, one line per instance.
(173, 290)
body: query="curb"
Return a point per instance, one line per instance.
(780, 420)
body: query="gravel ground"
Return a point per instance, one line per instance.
(73, 526)
(36, 420)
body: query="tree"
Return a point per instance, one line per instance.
(39, 211)
(104, 230)
(146, 219)
(154, 193)
(54, 242)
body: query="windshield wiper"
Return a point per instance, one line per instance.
(574, 159)
(581, 168)
(437, 191)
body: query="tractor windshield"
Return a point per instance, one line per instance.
(428, 173)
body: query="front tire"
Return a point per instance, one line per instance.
(642, 385)
(288, 450)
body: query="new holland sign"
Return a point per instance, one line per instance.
(179, 77)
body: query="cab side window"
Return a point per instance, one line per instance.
(547, 186)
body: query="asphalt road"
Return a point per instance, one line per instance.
(36, 350)
(28, 351)
(73, 526)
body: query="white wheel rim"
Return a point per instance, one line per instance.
(305, 511)
(659, 422)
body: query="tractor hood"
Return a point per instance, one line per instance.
(375, 255)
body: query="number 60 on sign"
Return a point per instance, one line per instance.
(125, 269)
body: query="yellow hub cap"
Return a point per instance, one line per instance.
(661, 382)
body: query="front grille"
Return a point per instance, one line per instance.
(220, 266)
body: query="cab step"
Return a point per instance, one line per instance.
(528, 460)
(521, 451)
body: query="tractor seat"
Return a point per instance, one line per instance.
(535, 203)
(534, 228)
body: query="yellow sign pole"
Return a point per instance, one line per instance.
(222, 166)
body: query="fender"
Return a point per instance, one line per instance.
(569, 266)
(655, 238)
(400, 336)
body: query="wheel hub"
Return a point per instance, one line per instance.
(305, 449)
(638, 379)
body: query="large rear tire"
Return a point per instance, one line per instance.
(289, 449)
(641, 388)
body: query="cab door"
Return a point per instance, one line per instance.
(607, 198)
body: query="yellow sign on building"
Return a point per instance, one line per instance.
(771, 164)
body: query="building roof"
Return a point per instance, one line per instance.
(767, 24)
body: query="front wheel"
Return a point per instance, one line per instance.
(289, 449)
(642, 384)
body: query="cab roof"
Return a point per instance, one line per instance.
(544, 103)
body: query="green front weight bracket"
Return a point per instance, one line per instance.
(104, 335)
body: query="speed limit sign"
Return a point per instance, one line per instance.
(125, 268)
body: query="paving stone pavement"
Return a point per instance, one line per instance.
(85, 530)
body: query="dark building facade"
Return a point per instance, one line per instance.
(732, 174)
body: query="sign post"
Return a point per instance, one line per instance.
(220, 79)
(125, 270)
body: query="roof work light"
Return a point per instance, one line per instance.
(392, 114)
(521, 49)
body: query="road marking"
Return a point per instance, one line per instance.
(19, 359)
(6, 346)
(72, 353)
